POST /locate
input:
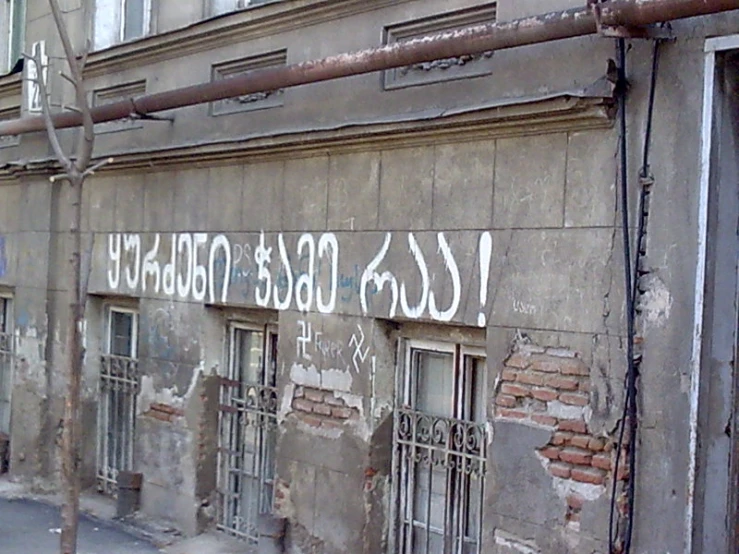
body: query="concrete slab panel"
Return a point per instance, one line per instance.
(192, 192)
(225, 198)
(406, 185)
(529, 181)
(592, 174)
(463, 186)
(159, 202)
(305, 197)
(353, 192)
(262, 197)
(129, 203)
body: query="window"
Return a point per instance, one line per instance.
(439, 449)
(219, 7)
(6, 366)
(119, 385)
(120, 20)
(12, 24)
(247, 437)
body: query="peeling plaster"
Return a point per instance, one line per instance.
(170, 396)
(514, 543)
(655, 302)
(566, 487)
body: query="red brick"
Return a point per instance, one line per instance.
(588, 475)
(561, 438)
(314, 395)
(332, 424)
(341, 412)
(545, 395)
(576, 456)
(310, 420)
(303, 405)
(575, 501)
(508, 375)
(513, 414)
(601, 461)
(573, 516)
(574, 425)
(529, 378)
(323, 409)
(518, 361)
(546, 364)
(560, 470)
(514, 390)
(623, 472)
(574, 367)
(550, 452)
(562, 383)
(543, 419)
(506, 400)
(574, 399)
(584, 386)
(580, 441)
(596, 444)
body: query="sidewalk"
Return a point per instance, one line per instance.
(29, 524)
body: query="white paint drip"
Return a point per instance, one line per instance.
(486, 253)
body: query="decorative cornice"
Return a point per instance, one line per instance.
(560, 113)
(11, 85)
(246, 24)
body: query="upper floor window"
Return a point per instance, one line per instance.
(12, 19)
(219, 7)
(120, 20)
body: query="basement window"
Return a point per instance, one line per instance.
(248, 430)
(120, 20)
(119, 386)
(439, 441)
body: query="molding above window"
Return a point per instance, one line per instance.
(8, 114)
(447, 69)
(115, 93)
(248, 102)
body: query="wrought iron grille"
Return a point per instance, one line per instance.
(441, 464)
(119, 385)
(248, 437)
(6, 378)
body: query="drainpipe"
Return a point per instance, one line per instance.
(576, 22)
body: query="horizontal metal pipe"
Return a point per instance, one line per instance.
(472, 40)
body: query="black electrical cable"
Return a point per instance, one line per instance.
(630, 404)
(624, 189)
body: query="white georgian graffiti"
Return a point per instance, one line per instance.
(305, 275)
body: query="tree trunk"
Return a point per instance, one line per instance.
(74, 358)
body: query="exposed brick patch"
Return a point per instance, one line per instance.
(549, 387)
(164, 412)
(321, 408)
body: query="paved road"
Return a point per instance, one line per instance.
(29, 527)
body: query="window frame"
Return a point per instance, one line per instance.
(120, 24)
(14, 13)
(404, 390)
(6, 329)
(107, 345)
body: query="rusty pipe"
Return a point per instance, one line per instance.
(472, 40)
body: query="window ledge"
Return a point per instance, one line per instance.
(11, 84)
(252, 22)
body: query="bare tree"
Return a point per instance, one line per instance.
(76, 167)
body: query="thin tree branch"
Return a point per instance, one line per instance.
(76, 65)
(92, 169)
(46, 112)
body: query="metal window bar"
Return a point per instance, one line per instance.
(248, 434)
(6, 366)
(449, 455)
(119, 386)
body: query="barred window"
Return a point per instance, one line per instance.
(439, 450)
(248, 430)
(119, 385)
(6, 367)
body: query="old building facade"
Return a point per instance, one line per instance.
(388, 311)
